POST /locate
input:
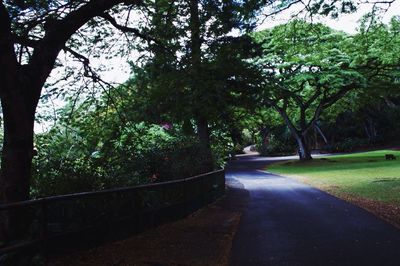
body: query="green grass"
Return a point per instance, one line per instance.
(367, 175)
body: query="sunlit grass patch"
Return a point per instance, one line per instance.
(366, 175)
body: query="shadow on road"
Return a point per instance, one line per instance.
(286, 222)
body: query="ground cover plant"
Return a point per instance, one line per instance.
(366, 178)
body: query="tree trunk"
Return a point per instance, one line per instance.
(370, 129)
(264, 141)
(321, 134)
(304, 151)
(18, 106)
(236, 136)
(203, 133)
(17, 151)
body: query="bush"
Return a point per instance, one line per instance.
(276, 146)
(347, 145)
(69, 163)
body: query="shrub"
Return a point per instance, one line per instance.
(69, 163)
(276, 146)
(347, 145)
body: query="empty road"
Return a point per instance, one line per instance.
(290, 223)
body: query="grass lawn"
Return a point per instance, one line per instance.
(367, 179)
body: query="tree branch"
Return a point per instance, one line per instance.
(123, 28)
(25, 41)
(58, 32)
(88, 70)
(8, 57)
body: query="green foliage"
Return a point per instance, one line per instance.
(276, 146)
(184, 84)
(103, 143)
(306, 70)
(92, 150)
(346, 145)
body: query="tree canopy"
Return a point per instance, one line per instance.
(307, 69)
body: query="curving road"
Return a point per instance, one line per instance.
(289, 223)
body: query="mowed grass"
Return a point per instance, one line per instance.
(367, 175)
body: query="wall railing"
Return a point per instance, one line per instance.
(60, 222)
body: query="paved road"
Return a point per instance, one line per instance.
(289, 223)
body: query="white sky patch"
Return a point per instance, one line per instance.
(345, 22)
(115, 71)
(349, 22)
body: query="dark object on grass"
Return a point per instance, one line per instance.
(387, 179)
(390, 157)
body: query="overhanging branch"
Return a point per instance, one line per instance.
(123, 28)
(88, 70)
(25, 41)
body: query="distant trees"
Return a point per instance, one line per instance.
(307, 68)
(377, 53)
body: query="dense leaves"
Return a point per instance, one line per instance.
(93, 150)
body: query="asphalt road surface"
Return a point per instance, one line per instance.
(289, 223)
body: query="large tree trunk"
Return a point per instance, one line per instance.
(17, 148)
(18, 108)
(304, 150)
(203, 133)
(19, 92)
(300, 135)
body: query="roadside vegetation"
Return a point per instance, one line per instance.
(204, 82)
(366, 178)
(196, 92)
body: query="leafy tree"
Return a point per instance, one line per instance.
(32, 34)
(307, 69)
(376, 49)
(192, 81)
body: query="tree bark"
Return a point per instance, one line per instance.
(304, 150)
(321, 133)
(18, 106)
(300, 135)
(203, 130)
(370, 129)
(17, 149)
(203, 133)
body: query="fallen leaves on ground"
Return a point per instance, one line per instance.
(204, 238)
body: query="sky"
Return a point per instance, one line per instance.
(118, 70)
(345, 22)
